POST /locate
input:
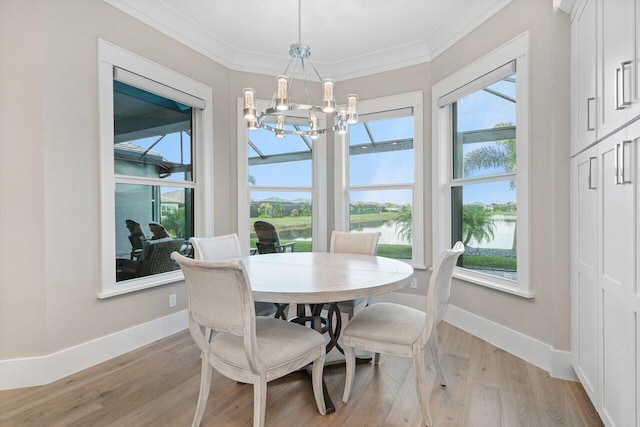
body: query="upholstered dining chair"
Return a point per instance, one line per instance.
(404, 331)
(246, 348)
(221, 248)
(353, 243)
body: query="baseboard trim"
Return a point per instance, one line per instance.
(556, 362)
(32, 371)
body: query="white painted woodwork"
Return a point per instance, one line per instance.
(617, 25)
(616, 279)
(584, 203)
(320, 277)
(610, 373)
(583, 38)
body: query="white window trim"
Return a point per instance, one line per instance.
(110, 56)
(318, 188)
(518, 50)
(341, 165)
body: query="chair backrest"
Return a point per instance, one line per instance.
(137, 237)
(354, 243)
(266, 233)
(216, 248)
(219, 299)
(158, 231)
(440, 286)
(156, 256)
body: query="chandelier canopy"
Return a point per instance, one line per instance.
(281, 110)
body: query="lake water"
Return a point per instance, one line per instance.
(505, 227)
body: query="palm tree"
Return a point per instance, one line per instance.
(502, 155)
(404, 226)
(477, 223)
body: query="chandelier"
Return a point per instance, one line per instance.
(281, 110)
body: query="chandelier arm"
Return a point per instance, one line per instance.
(306, 86)
(315, 70)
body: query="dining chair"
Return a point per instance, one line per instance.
(246, 348)
(221, 248)
(353, 243)
(404, 331)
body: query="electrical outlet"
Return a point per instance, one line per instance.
(414, 283)
(173, 301)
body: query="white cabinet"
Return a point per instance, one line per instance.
(583, 63)
(616, 278)
(584, 290)
(617, 63)
(605, 297)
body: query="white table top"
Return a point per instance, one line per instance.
(320, 277)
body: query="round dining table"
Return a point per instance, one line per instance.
(323, 278)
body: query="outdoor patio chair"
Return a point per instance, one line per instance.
(155, 259)
(269, 239)
(137, 237)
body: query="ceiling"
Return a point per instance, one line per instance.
(348, 38)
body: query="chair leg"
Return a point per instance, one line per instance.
(350, 359)
(421, 387)
(436, 354)
(259, 401)
(316, 377)
(205, 385)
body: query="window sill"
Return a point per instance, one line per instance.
(134, 285)
(490, 282)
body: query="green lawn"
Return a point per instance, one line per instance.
(486, 262)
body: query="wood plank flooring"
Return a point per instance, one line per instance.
(157, 385)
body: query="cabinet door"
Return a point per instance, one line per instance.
(616, 279)
(584, 33)
(584, 278)
(617, 20)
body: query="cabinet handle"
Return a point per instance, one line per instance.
(622, 68)
(589, 127)
(591, 184)
(618, 163)
(617, 93)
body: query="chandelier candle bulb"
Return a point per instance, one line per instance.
(313, 127)
(252, 125)
(282, 101)
(329, 101)
(352, 109)
(249, 104)
(342, 125)
(280, 126)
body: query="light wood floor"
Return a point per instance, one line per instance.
(158, 385)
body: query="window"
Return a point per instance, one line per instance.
(481, 168)
(381, 161)
(280, 177)
(153, 185)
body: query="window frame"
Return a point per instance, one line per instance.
(109, 57)
(318, 187)
(342, 187)
(515, 50)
